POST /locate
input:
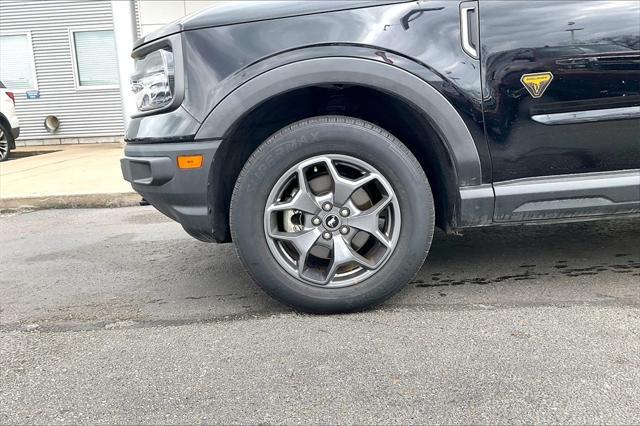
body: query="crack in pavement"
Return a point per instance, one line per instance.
(62, 327)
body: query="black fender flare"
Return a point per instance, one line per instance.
(342, 70)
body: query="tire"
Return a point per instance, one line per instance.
(6, 142)
(341, 273)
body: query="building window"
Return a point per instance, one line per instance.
(96, 63)
(17, 68)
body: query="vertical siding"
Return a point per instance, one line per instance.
(82, 112)
(136, 9)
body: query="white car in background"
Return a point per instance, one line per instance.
(9, 125)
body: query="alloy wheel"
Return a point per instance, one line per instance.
(332, 221)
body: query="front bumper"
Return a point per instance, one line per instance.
(181, 194)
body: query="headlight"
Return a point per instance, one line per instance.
(153, 82)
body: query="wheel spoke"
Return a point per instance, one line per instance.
(4, 146)
(367, 221)
(301, 241)
(343, 254)
(343, 188)
(303, 200)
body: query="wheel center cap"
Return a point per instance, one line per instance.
(331, 222)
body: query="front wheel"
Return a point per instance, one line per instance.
(332, 214)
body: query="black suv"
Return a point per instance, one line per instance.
(327, 139)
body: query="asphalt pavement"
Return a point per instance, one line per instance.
(117, 316)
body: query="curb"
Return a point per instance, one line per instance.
(83, 201)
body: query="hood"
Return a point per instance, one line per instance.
(240, 12)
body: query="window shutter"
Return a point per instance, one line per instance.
(97, 64)
(16, 66)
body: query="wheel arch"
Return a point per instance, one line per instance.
(228, 120)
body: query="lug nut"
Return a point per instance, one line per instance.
(327, 206)
(316, 221)
(344, 230)
(326, 235)
(344, 212)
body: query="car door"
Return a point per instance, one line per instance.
(561, 101)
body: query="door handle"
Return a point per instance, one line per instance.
(469, 28)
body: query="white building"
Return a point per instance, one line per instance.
(70, 59)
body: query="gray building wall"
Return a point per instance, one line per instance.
(83, 113)
(154, 14)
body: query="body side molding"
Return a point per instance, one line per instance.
(340, 70)
(590, 116)
(562, 196)
(476, 206)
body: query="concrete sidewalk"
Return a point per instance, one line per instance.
(60, 176)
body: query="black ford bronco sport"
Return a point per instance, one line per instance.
(327, 139)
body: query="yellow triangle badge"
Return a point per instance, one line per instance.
(536, 83)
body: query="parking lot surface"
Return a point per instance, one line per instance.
(117, 316)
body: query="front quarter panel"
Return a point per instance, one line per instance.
(421, 37)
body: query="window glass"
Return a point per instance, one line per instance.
(96, 60)
(16, 65)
